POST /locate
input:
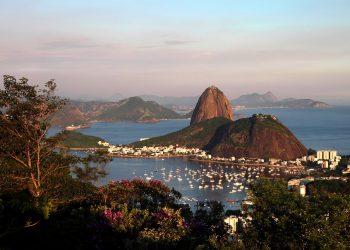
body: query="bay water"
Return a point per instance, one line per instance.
(315, 128)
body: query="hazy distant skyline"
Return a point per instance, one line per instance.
(294, 48)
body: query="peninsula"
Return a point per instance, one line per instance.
(212, 130)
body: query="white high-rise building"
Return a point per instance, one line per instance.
(326, 155)
(332, 155)
(328, 158)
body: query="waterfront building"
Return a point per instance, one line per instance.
(327, 155)
(328, 158)
(332, 155)
(319, 155)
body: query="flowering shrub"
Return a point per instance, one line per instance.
(168, 227)
(126, 221)
(113, 217)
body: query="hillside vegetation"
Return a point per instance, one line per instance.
(197, 135)
(74, 139)
(130, 109)
(260, 136)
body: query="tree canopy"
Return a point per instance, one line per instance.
(32, 169)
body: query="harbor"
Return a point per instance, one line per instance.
(197, 181)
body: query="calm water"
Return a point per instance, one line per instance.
(315, 128)
(127, 132)
(196, 182)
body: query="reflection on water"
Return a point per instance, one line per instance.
(196, 181)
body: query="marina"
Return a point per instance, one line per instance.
(196, 181)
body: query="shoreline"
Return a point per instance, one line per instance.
(248, 164)
(188, 158)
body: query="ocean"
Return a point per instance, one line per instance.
(315, 128)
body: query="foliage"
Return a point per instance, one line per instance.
(74, 139)
(282, 219)
(196, 135)
(134, 108)
(168, 227)
(138, 193)
(276, 211)
(125, 220)
(92, 167)
(208, 220)
(24, 124)
(311, 151)
(327, 187)
(35, 177)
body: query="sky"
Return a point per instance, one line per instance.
(96, 49)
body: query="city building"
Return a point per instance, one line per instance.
(328, 158)
(327, 155)
(233, 222)
(299, 185)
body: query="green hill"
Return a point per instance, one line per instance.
(74, 139)
(260, 136)
(136, 109)
(197, 135)
(130, 109)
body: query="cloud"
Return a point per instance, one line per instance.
(71, 43)
(147, 47)
(176, 42)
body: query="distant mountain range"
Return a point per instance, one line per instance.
(270, 100)
(151, 108)
(169, 100)
(129, 109)
(255, 100)
(250, 101)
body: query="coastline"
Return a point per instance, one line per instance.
(188, 158)
(247, 164)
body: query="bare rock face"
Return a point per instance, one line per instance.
(212, 103)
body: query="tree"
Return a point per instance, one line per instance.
(26, 153)
(278, 217)
(138, 193)
(311, 151)
(283, 219)
(91, 168)
(31, 166)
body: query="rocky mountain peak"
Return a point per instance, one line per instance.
(212, 103)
